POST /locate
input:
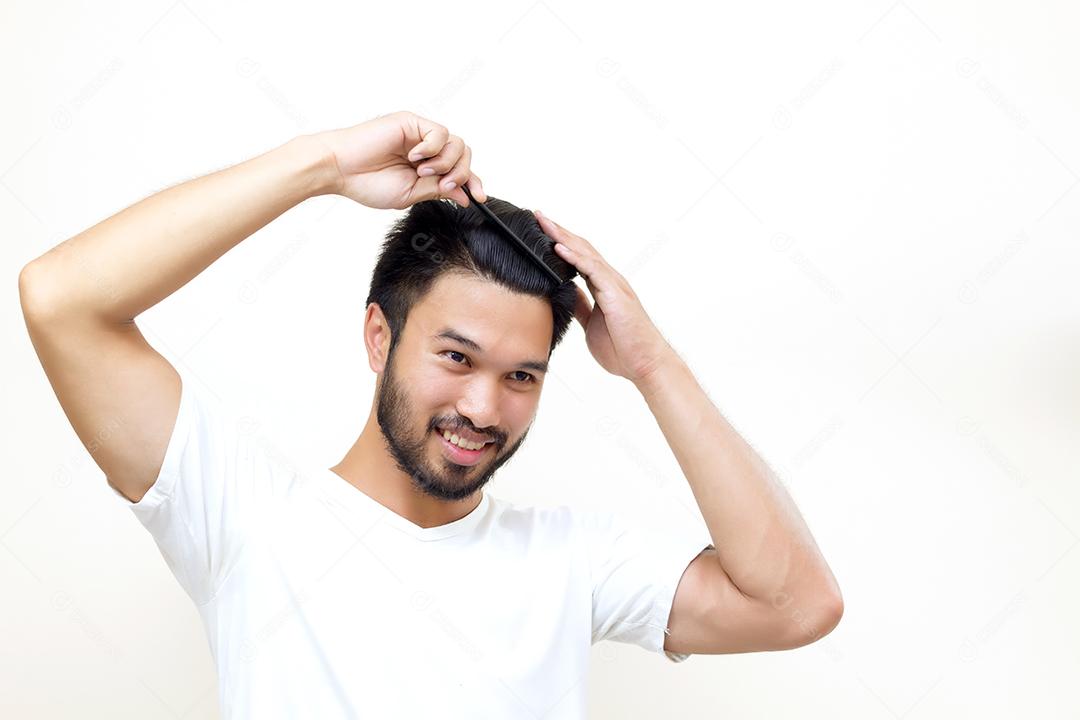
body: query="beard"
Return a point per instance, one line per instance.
(441, 479)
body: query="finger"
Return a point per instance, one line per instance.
(571, 246)
(473, 184)
(433, 139)
(451, 182)
(598, 275)
(476, 187)
(445, 159)
(560, 234)
(591, 285)
(427, 188)
(581, 253)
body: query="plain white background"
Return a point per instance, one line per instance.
(856, 221)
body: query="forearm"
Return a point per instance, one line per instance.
(761, 539)
(141, 255)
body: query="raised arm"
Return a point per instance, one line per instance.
(765, 584)
(80, 299)
(138, 257)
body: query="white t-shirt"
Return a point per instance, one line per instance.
(319, 602)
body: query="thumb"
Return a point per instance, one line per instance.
(427, 188)
(582, 307)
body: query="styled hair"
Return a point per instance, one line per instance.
(439, 236)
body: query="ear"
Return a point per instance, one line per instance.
(376, 337)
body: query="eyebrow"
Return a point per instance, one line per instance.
(452, 334)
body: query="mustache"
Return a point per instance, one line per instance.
(494, 434)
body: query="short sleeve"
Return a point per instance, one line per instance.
(197, 508)
(635, 573)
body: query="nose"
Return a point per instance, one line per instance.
(480, 404)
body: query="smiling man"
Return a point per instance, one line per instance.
(460, 329)
(394, 584)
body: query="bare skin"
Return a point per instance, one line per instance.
(80, 299)
(765, 586)
(769, 582)
(443, 381)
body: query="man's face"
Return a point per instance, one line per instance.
(484, 390)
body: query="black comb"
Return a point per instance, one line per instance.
(490, 214)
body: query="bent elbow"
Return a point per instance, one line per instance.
(813, 625)
(832, 615)
(34, 297)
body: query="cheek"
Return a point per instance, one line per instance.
(434, 393)
(438, 392)
(519, 412)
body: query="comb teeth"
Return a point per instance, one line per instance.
(521, 244)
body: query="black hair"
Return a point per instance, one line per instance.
(439, 236)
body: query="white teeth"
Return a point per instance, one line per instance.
(461, 442)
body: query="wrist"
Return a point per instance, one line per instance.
(316, 166)
(660, 374)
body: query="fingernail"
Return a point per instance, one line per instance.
(427, 171)
(450, 185)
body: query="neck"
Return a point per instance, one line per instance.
(369, 466)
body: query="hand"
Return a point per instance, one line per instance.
(399, 159)
(618, 331)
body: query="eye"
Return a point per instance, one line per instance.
(528, 378)
(454, 352)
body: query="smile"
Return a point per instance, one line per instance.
(468, 455)
(463, 442)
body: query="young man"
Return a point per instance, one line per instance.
(391, 585)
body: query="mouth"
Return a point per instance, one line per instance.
(459, 455)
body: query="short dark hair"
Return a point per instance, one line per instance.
(439, 236)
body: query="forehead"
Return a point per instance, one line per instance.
(499, 320)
